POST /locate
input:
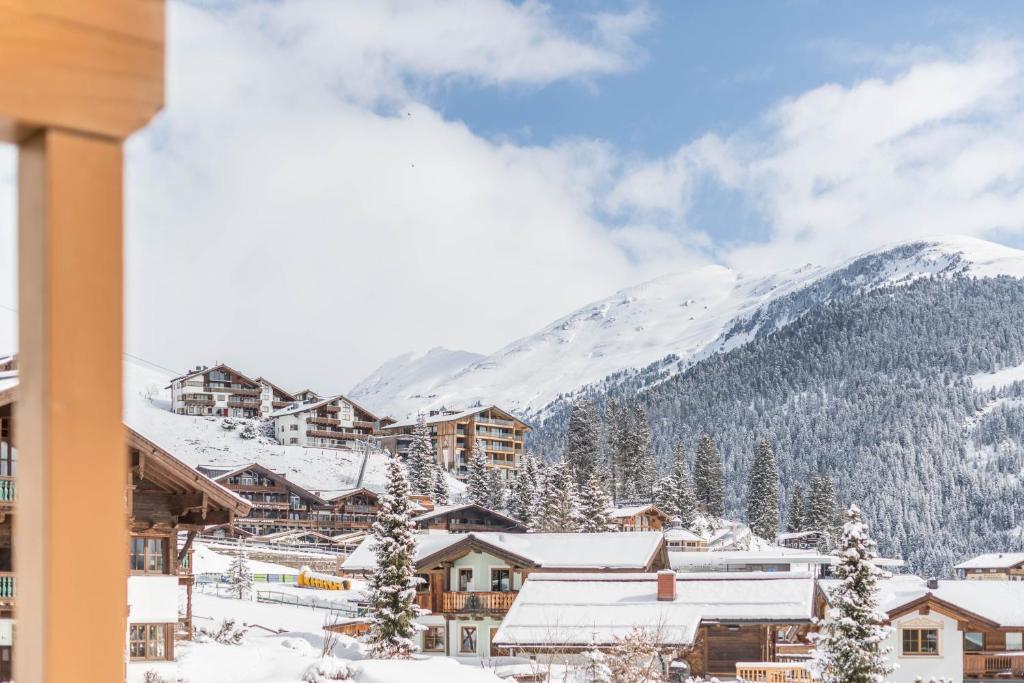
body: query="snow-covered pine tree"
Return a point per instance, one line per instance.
(675, 495)
(583, 440)
(849, 644)
(421, 461)
(822, 511)
(708, 477)
(795, 516)
(240, 575)
(440, 491)
(595, 667)
(497, 497)
(595, 506)
(763, 493)
(391, 588)
(524, 490)
(560, 505)
(615, 449)
(643, 471)
(478, 488)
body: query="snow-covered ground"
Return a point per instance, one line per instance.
(684, 314)
(266, 656)
(984, 381)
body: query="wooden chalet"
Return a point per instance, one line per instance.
(333, 422)
(466, 518)
(642, 517)
(277, 503)
(456, 433)
(801, 540)
(354, 510)
(220, 390)
(993, 567)
(469, 581)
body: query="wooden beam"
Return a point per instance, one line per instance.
(72, 461)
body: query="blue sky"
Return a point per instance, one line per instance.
(316, 158)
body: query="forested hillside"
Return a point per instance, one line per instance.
(873, 391)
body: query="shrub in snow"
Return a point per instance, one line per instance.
(153, 677)
(595, 667)
(266, 430)
(226, 634)
(327, 669)
(635, 659)
(248, 430)
(240, 576)
(228, 424)
(848, 648)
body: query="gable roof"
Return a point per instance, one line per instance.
(352, 492)
(275, 387)
(219, 366)
(609, 551)
(440, 510)
(993, 561)
(459, 415)
(301, 407)
(998, 602)
(633, 510)
(291, 486)
(580, 609)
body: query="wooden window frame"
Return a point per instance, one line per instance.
(165, 568)
(919, 642)
(462, 640)
(458, 578)
(154, 635)
(967, 641)
(508, 571)
(432, 632)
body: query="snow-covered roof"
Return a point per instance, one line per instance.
(790, 535)
(579, 609)
(993, 561)
(633, 510)
(681, 535)
(8, 382)
(721, 558)
(448, 416)
(999, 601)
(550, 551)
(445, 509)
(302, 407)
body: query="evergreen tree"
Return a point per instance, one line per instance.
(795, 518)
(478, 489)
(709, 478)
(391, 588)
(525, 490)
(496, 496)
(763, 493)
(615, 448)
(583, 440)
(421, 460)
(240, 575)
(821, 512)
(595, 666)
(674, 494)
(560, 504)
(849, 645)
(595, 507)
(440, 486)
(644, 470)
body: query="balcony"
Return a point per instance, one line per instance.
(251, 405)
(7, 589)
(496, 421)
(772, 672)
(197, 399)
(7, 490)
(479, 603)
(1002, 665)
(281, 404)
(329, 421)
(329, 434)
(330, 409)
(363, 424)
(234, 389)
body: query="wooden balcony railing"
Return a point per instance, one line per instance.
(363, 424)
(328, 434)
(7, 490)
(7, 588)
(479, 603)
(772, 672)
(994, 665)
(281, 404)
(330, 421)
(330, 408)
(251, 405)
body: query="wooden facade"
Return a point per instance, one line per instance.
(219, 390)
(639, 518)
(458, 519)
(456, 433)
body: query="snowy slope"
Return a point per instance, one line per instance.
(689, 314)
(410, 378)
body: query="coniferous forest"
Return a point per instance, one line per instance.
(872, 391)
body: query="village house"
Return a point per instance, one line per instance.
(273, 397)
(644, 517)
(455, 434)
(277, 503)
(707, 624)
(801, 540)
(952, 629)
(333, 422)
(993, 567)
(680, 540)
(466, 518)
(469, 581)
(220, 391)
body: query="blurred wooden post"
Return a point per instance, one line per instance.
(76, 79)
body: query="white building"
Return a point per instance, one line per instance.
(331, 422)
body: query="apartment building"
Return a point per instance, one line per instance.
(456, 433)
(220, 391)
(333, 422)
(273, 397)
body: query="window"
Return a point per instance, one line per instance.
(974, 641)
(920, 641)
(433, 639)
(467, 639)
(423, 586)
(146, 641)
(8, 457)
(465, 579)
(501, 580)
(1015, 641)
(148, 555)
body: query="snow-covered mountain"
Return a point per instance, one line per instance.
(409, 379)
(687, 315)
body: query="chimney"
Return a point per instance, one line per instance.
(933, 583)
(666, 585)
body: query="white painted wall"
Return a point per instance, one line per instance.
(152, 599)
(949, 663)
